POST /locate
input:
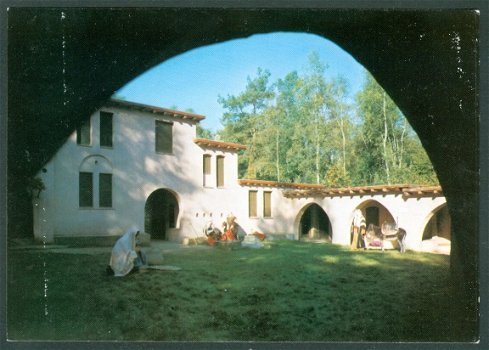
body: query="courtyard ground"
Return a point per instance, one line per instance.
(287, 291)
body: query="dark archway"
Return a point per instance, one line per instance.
(439, 224)
(160, 213)
(315, 224)
(63, 64)
(436, 236)
(375, 213)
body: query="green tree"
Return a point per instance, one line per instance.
(386, 141)
(204, 133)
(312, 133)
(339, 128)
(243, 121)
(288, 111)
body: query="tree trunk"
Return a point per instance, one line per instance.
(251, 173)
(317, 155)
(401, 148)
(386, 161)
(277, 153)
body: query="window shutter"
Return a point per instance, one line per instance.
(105, 129)
(105, 190)
(207, 164)
(164, 137)
(83, 134)
(267, 204)
(252, 203)
(220, 171)
(86, 189)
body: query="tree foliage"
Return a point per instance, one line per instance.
(304, 128)
(244, 121)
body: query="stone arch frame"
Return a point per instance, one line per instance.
(300, 214)
(428, 88)
(177, 216)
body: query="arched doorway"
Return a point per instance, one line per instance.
(160, 213)
(437, 232)
(315, 224)
(374, 213)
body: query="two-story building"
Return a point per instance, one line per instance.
(134, 164)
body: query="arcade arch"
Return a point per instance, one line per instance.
(314, 223)
(436, 237)
(375, 213)
(439, 224)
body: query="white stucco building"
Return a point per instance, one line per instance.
(134, 164)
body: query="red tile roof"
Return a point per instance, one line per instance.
(302, 190)
(266, 183)
(156, 110)
(219, 144)
(405, 189)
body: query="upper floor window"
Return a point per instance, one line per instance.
(83, 134)
(252, 204)
(106, 129)
(163, 137)
(267, 204)
(206, 169)
(220, 171)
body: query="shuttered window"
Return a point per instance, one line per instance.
(207, 164)
(207, 170)
(220, 171)
(164, 137)
(83, 136)
(105, 129)
(267, 204)
(105, 190)
(252, 195)
(86, 189)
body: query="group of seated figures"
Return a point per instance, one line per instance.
(228, 231)
(374, 236)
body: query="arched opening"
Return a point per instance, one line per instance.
(437, 232)
(375, 214)
(160, 213)
(314, 224)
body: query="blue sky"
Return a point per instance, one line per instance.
(196, 78)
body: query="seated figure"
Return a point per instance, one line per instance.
(126, 254)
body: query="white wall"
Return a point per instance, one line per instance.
(137, 171)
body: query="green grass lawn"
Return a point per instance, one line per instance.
(292, 291)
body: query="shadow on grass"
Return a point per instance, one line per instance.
(293, 291)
